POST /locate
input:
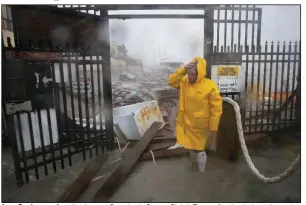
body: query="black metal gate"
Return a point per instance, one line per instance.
(54, 105)
(271, 69)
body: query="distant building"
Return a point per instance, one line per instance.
(7, 25)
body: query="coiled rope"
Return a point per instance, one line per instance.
(268, 180)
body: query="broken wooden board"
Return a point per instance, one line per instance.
(164, 153)
(160, 145)
(131, 157)
(163, 139)
(155, 140)
(83, 180)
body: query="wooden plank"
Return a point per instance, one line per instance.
(131, 157)
(161, 145)
(163, 139)
(164, 153)
(155, 140)
(83, 180)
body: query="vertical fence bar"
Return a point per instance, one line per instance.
(51, 139)
(16, 154)
(298, 95)
(252, 86)
(100, 72)
(246, 27)
(264, 86)
(282, 85)
(246, 81)
(239, 29)
(287, 82)
(218, 29)
(32, 143)
(235, 51)
(68, 53)
(88, 133)
(58, 114)
(93, 103)
(65, 114)
(208, 38)
(275, 86)
(253, 29)
(259, 26)
(214, 51)
(80, 108)
(257, 91)
(293, 82)
(49, 116)
(49, 121)
(23, 153)
(41, 134)
(107, 85)
(270, 85)
(222, 61)
(232, 31)
(225, 27)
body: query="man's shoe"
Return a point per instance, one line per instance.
(175, 146)
(201, 160)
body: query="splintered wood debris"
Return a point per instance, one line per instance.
(112, 183)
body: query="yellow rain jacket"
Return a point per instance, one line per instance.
(200, 107)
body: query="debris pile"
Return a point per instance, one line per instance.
(153, 143)
(127, 77)
(126, 96)
(125, 93)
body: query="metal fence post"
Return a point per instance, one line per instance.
(11, 133)
(208, 38)
(298, 95)
(107, 81)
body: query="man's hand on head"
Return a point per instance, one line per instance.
(190, 65)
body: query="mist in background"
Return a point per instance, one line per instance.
(182, 39)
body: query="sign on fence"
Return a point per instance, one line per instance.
(229, 78)
(82, 85)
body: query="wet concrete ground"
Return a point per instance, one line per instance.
(171, 180)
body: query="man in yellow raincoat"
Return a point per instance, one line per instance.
(199, 108)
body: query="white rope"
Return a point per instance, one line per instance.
(118, 144)
(99, 177)
(116, 160)
(153, 158)
(125, 146)
(269, 180)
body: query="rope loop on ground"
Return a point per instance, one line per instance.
(268, 180)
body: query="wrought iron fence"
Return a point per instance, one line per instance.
(271, 73)
(54, 105)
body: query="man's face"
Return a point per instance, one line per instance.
(192, 74)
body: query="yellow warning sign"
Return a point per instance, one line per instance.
(228, 71)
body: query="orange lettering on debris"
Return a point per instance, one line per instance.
(147, 112)
(141, 114)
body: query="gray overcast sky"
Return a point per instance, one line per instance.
(182, 39)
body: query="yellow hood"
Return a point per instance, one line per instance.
(201, 67)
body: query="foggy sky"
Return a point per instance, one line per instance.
(182, 39)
